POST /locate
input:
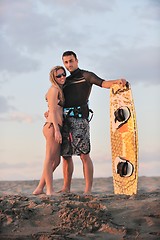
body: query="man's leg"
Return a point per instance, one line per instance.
(67, 173)
(88, 172)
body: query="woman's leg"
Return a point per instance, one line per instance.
(52, 160)
(39, 188)
(42, 183)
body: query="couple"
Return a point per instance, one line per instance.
(67, 126)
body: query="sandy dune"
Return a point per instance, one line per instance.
(99, 216)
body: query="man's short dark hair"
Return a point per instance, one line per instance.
(68, 53)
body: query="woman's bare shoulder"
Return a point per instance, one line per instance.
(52, 89)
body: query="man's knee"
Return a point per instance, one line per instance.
(67, 159)
(85, 157)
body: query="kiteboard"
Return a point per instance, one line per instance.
(124, 140)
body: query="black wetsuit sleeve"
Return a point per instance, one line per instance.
(92, 78)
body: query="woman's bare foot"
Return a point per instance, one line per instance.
(38, 191)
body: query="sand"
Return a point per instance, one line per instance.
(99, 216)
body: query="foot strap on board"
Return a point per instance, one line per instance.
(123, 167)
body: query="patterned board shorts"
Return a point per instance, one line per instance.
(76, 137)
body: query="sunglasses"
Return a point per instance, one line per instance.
(60, 75)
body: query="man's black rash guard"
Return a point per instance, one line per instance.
(78, 86)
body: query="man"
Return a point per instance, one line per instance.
(76, 137)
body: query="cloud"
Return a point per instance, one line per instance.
(5, 106)
(26, 27)
(4, 165)
(21, 36)
(149, 155)
(14, 60)
(152, 10)
(20, 117)
(8, 113)
(84, 6)
(138, 64)
(149, 11)
(30, 28)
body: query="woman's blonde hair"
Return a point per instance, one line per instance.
(54, 82)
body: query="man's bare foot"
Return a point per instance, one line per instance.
(87, 193)
(51, 194)
(38, 191)
(64, 191)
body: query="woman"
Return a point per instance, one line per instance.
(51, 129)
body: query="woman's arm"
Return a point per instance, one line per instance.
(52, 98)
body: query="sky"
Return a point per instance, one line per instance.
(113, 39)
